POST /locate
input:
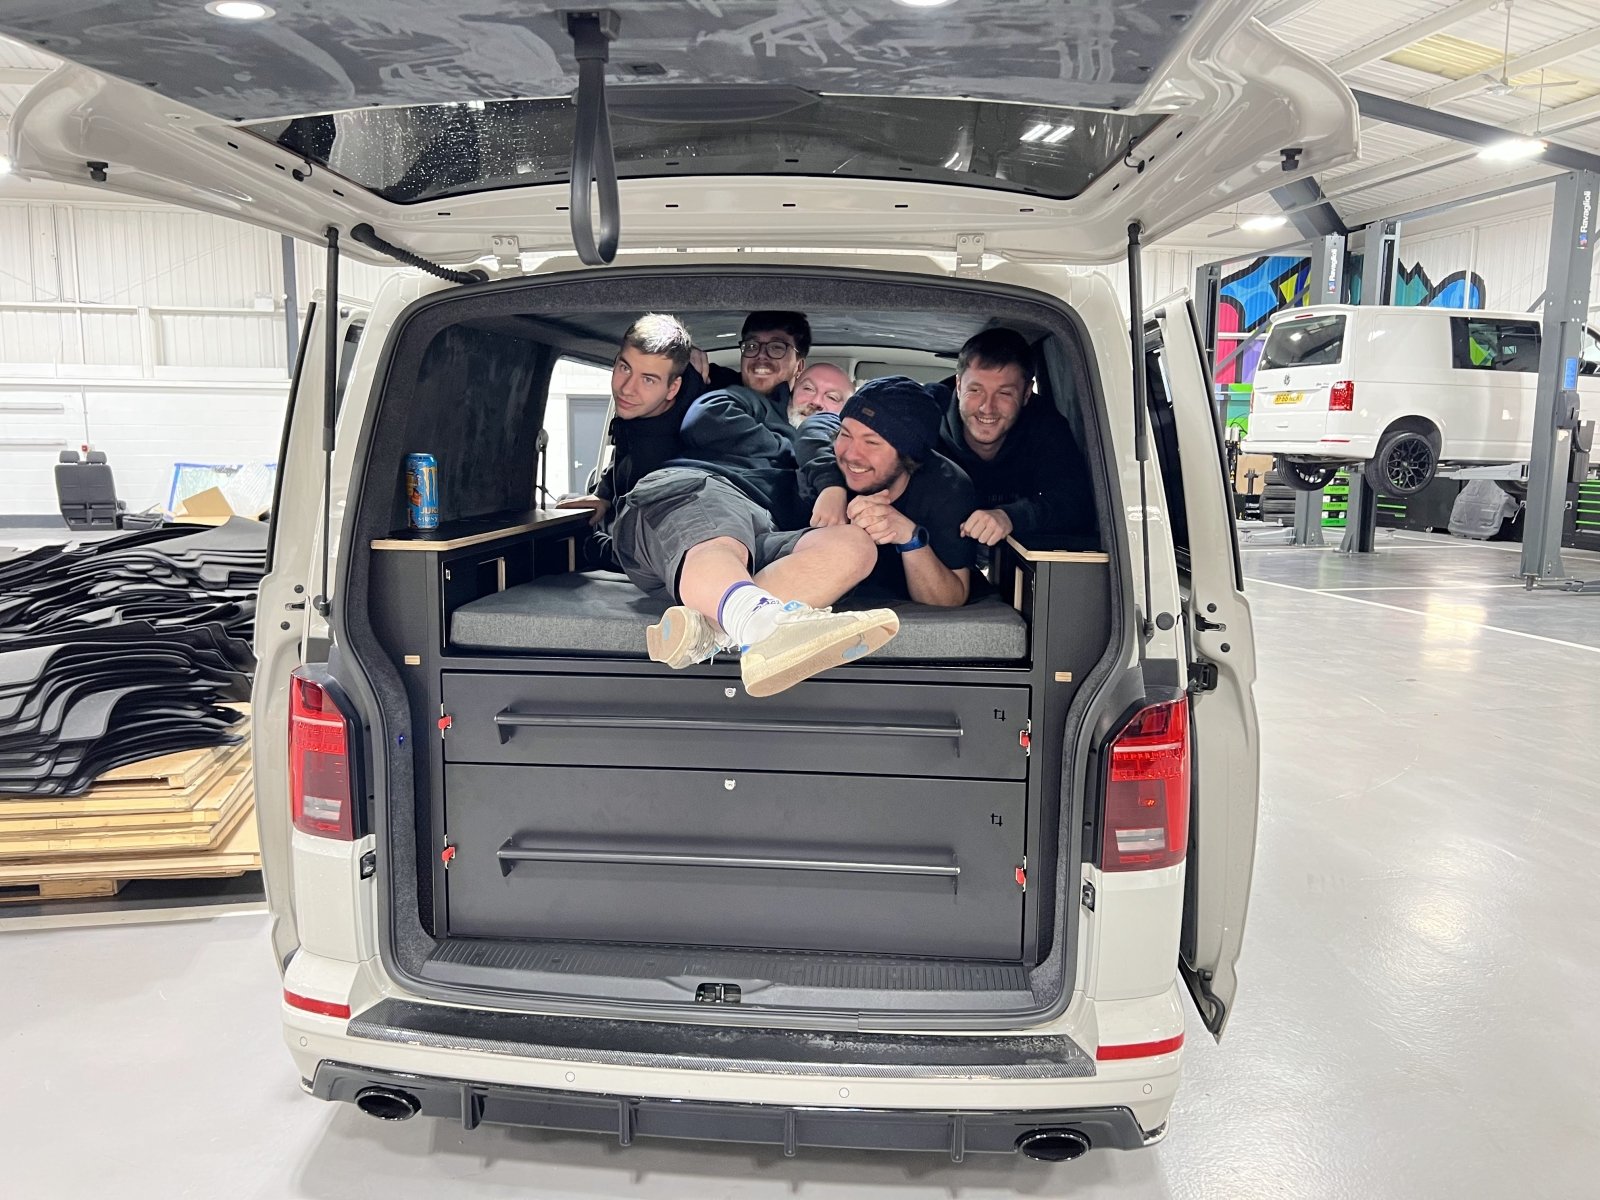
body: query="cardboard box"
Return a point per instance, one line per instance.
(209, 507)
(1261, 464)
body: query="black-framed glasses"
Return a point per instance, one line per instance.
(773, 350)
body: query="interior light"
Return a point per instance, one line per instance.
(5, 165)
(1513, 150)
(239, 10)
(1263, 223)
(924, 3)
(1037, 132)
(1059, 132)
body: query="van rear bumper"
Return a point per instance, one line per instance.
(956, 1133)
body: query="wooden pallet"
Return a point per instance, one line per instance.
(63, 889)
(237, 851)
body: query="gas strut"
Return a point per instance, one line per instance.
(1141, 411)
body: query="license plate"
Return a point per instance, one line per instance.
(1288, 397)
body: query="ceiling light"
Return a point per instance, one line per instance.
(924, 3)
(1263, 223)
(1057, 134)
(239, 10)
(5, 165)
(1513, 150)
(1037, 132)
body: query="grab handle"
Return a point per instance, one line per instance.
(511, 854)
(509, 721)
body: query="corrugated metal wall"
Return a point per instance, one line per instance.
(157, 335)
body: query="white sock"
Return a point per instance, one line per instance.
(747, 614)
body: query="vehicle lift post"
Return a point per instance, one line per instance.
(1324, 285)
(1380, 258)
(1572, 236)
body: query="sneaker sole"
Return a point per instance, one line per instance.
(671, 640)
(851, 645)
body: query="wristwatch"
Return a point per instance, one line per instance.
(919, 539)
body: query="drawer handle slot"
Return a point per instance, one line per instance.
(511, 854)
(509, 721)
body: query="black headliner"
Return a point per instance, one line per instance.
(315, 57)
(937, 332)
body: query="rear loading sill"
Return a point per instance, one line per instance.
(696, 1047)
(765, 980)
(956, 1133)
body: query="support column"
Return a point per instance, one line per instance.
(1555, 418)
(1324, 285)
(1379, 262)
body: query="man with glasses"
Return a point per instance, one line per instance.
(773, 345)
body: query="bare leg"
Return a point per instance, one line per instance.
(709, 570)
(825, 564)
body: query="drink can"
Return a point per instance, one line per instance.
(422, 491)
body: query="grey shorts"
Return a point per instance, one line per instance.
(673, 510)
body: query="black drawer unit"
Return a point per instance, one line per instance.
(737, 858)
(840, 728)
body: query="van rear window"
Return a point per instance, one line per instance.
(1313, 342)
(1485, 344)
(430, 151)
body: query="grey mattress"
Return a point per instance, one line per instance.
(602, 613)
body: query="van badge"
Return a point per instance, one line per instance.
(1286, 380)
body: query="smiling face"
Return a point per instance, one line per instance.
(869, 463)
(820, 388)
(642, 385)
(991, 399)
(759, 371)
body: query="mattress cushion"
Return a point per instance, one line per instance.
(602, 613)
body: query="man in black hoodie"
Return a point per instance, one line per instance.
(773, 345)
(651, 390)
(746, 536)
(1030, 477)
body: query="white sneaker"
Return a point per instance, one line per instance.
(684, 637)
(809, 640)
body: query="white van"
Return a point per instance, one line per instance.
(947, 898)
(1400, 389)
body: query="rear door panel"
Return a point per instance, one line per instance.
(1222, 649)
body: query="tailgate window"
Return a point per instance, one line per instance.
(1309, 342)
(429, 151)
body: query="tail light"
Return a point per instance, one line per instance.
(1147, 791)
(319, 763)
(1342, 397)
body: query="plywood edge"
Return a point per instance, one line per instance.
(543, 519)
(1077, 556)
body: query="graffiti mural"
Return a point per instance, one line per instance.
(1272, 283)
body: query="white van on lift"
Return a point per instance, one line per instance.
(945, 898)
(1400, 391)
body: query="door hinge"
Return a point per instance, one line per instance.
(1202, 677)
(507, 251)
(969, 254)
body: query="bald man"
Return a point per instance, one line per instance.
(821, 387)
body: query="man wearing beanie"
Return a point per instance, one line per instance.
(909, 498)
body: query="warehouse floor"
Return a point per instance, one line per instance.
(1414, 1019)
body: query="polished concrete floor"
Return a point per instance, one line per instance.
(1416, 1015)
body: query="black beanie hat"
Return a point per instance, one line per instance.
(900, 411)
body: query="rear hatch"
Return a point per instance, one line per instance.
(1301, 377)
(451, 132)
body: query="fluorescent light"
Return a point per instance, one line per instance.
(924, 3)
(1513, 150)
(1037, 132)
(1057, 134)
(1263, 223)
(239, 10)
(5, 165)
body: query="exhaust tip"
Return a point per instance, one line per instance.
(1053, 1145)
(388, 1104)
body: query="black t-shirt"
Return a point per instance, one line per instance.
(939, 497)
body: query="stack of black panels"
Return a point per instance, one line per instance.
(123, 649)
